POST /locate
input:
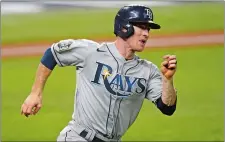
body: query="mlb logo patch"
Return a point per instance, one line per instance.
(64, 45)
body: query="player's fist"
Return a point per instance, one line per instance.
(169, 66)
(31, 105)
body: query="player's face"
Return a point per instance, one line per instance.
(138, 41)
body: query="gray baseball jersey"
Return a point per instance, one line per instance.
(110, 90)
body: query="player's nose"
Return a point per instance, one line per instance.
(145, 33)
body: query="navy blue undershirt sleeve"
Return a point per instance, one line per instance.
(168, 110)
(48, 59)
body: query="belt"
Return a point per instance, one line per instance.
(95, 139)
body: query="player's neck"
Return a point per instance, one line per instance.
(124, 49)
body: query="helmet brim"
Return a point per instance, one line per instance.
(154, 25)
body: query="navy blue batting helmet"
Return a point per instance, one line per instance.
(132, 14)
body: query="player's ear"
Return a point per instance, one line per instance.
(124, 30)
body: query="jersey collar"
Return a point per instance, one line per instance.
(114, 51)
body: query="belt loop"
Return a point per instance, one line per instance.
(92, 135)
(88, 135)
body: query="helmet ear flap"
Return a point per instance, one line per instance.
(126, 30)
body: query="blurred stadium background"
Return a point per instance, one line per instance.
(199, 78)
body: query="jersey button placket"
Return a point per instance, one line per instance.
(111, 119)
(118, 98)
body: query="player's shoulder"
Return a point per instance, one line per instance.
(89, 42)
(72, 42)
(67, 44)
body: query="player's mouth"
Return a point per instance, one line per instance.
(143, 42)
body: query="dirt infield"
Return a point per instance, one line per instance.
(179, 41)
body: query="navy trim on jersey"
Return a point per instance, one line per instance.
(48, 59)
(114, 58)
(108, 114)
(168, 110)
(110, 95)
(132, 67)
(122, 98)
(66, 134)
(118, 112)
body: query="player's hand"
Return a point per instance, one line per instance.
(169, 66)
(31, 105)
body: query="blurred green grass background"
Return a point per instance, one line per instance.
(98, 23)
(199, 78)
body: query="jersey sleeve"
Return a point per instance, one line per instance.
(154, 89)
(72, 52)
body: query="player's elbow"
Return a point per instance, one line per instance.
(168, 112)
(165, 109)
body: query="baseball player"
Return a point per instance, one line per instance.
(112, 81)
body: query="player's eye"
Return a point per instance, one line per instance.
(143, 26)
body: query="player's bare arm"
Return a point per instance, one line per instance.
(33, 102)
(168, 69)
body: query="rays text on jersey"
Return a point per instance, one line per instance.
(117, 84)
